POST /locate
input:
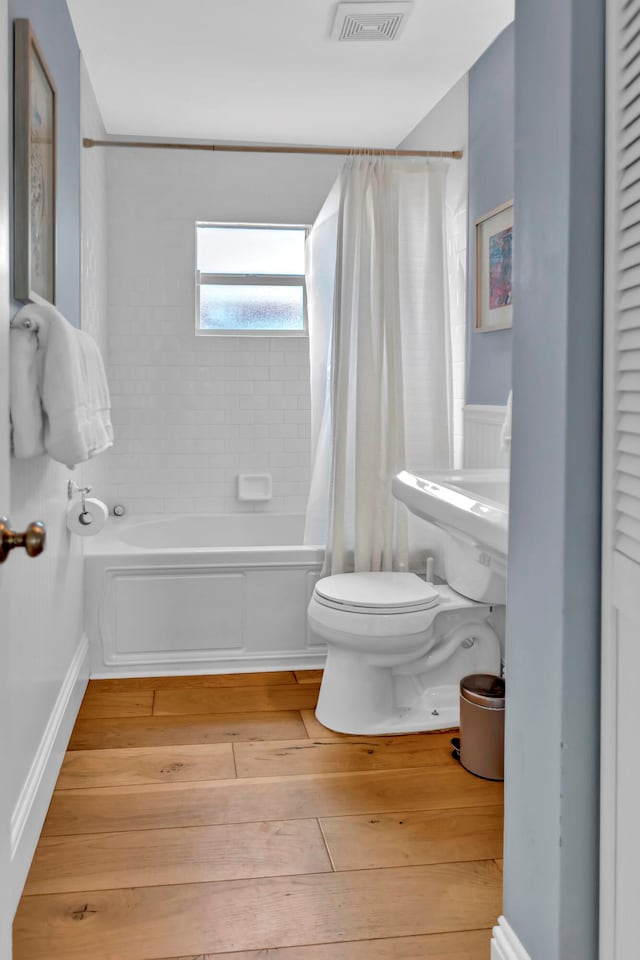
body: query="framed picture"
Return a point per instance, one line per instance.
(34, 171)
(494, 264)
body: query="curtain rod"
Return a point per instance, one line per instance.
(260, 148)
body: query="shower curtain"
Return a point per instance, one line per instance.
(378, 292)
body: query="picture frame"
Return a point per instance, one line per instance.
(34, 271)
(494, 269)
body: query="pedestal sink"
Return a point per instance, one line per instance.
(472, 507)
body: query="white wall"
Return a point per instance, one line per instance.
(191, 412)
(446, 128)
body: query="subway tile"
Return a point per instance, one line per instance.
(299, 474)
(255, 430)
(297, 446)
(296, 387)
(283, 459)
(269, 416)
(254, 373)
(269, 387)
(242, 386)
(284, 403)
(284, 373)
(286, 430)
(253, 403)
(269, 445)
(252, 460)
(275, 357)
(145, 505)
(296, 416)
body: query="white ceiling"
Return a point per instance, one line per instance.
(269, 71)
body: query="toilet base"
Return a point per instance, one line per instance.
(437, 708)
(361, 697)
(399, 672)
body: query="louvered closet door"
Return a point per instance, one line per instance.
(620, 834)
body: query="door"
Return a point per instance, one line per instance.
(5, 813)
(620, 790)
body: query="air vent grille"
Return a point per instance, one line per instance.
(370, 21)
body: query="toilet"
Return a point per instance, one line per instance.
(397, 648)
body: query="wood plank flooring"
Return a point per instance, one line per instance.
(210, 817)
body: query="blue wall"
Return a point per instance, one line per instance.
(490, 154)
(553, 602)
(54, 31)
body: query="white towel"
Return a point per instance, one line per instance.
(505, 432)
(24, 392)
(73, 388)
(99, 401)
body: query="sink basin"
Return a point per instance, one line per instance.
(472, 507)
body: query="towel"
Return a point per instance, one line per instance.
(24, 394)
(99, 401)
(73, 388)
(505, 432)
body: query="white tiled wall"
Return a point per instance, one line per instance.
(191, 412)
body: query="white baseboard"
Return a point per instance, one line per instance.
(505, 944)
(33, 802)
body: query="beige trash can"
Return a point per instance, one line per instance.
(482, 699)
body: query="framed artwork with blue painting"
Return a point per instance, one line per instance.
(34, 201)
(494, 270)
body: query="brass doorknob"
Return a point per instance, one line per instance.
(33, 539)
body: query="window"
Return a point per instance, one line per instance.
(250, 280)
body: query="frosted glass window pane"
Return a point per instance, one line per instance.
(236, 307)
(251, 250)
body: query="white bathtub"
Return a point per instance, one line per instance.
(200, 594)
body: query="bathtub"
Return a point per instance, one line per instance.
(200, 594)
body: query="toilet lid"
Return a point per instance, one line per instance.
(377, 592)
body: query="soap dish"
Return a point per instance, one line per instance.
(254, 486)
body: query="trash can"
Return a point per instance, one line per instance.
(482, 698)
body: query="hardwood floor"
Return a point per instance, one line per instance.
(214, 817)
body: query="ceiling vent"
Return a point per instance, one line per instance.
(370, 21)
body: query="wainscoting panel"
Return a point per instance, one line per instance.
(482, 426)
(208, 617)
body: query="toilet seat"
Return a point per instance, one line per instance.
(376, 593)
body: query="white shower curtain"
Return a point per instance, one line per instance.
(380, 355)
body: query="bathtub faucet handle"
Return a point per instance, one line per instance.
(119, 510)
